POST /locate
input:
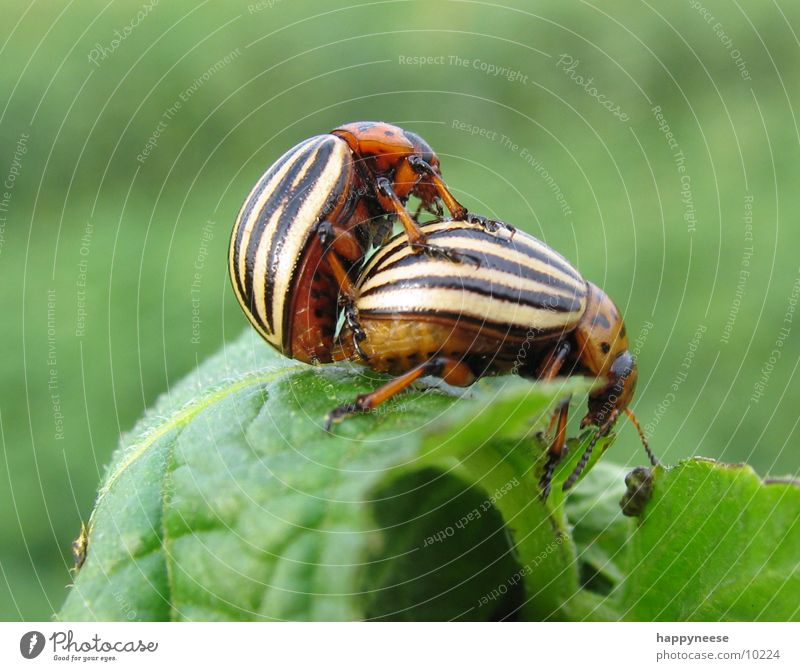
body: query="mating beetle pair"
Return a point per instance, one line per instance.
(455, 299)
(310, 220)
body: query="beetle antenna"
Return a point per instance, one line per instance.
(653, 458)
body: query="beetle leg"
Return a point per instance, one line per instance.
(415, 235)
(434, 208)
(359, 336)
(331, 239)
(491, 225)
(422, 167)
(548, 370)
(556, 450)
(339, 239)
(347, 292)
(601, 432)
(552, 363)
(385, 190)
(437, 252)
(452, 371)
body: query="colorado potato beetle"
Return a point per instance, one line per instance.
(522, 308)
(311, 218)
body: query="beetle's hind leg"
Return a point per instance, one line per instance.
(452, 371)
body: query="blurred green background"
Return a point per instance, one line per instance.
(108, 260)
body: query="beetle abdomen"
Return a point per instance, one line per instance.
(308, 184)
(519, 287)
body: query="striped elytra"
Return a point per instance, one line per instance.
(274, 236)
(509, 288)
(310, 219)
(518, 307)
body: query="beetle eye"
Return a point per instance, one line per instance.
(422, 149)
(623, 365)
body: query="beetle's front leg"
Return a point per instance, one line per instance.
(416, 237)
(422, 167)
(557, 448)
(391, 202)
(550, 367)
(491, 225)
(437, 252)
(457, 210)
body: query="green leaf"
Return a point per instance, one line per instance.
(715, 542)
(229, 501)
(601, 535)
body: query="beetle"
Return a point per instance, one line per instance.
(523, 309)
(310, 220)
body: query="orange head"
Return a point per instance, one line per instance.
(603, 350)
(389, 151)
